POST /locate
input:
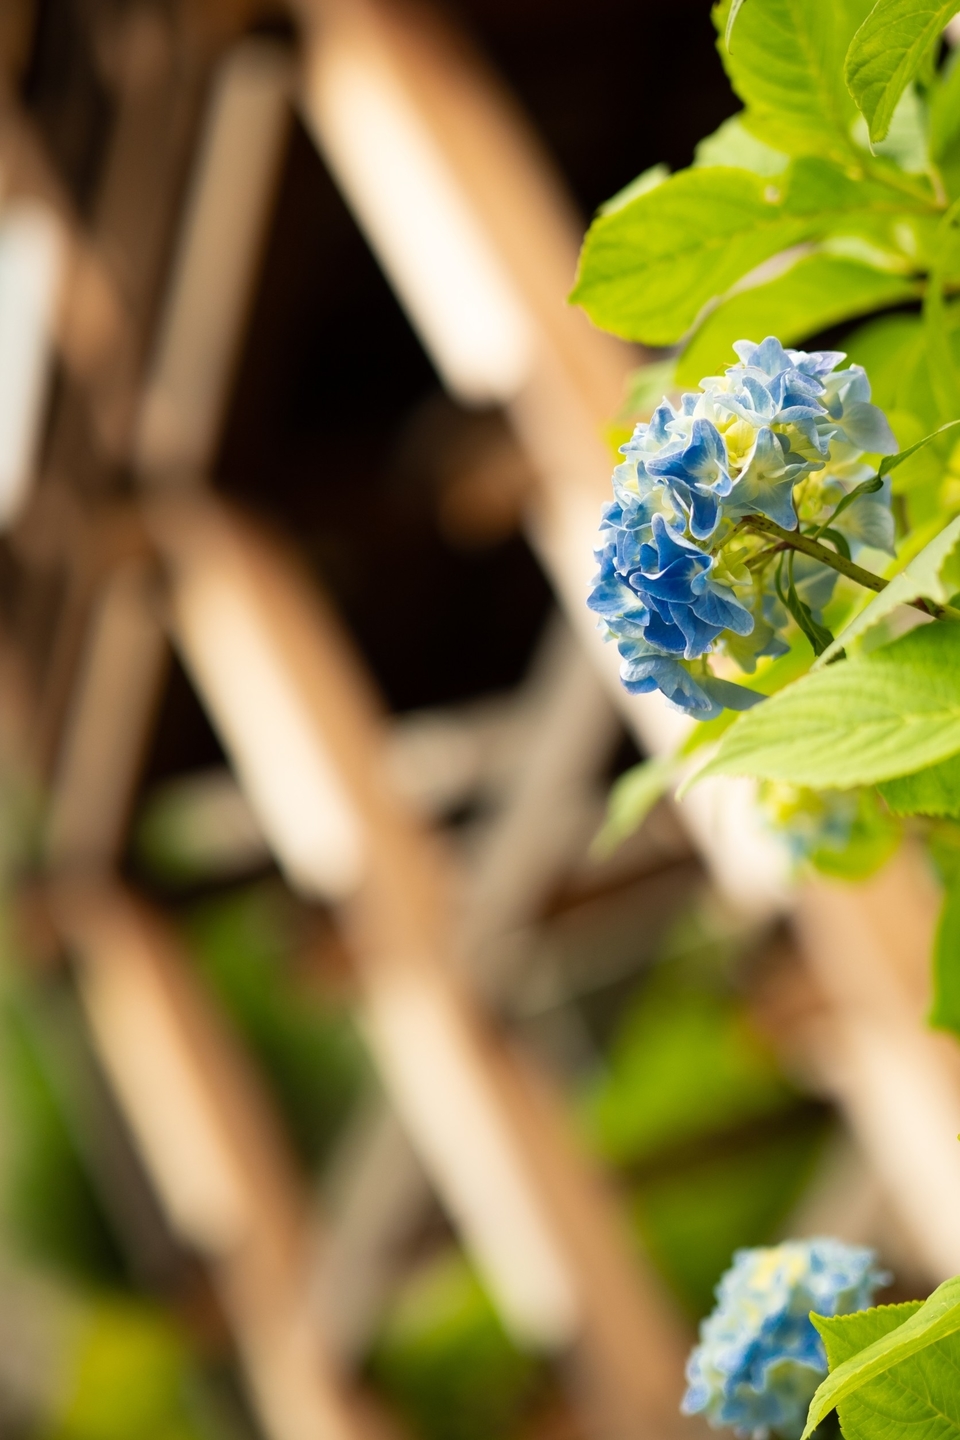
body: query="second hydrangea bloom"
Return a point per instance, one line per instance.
(780, 434)
(760, 1360)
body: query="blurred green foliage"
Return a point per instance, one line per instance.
(49, 1204)
(893, 350)
(130, 1371)
(131, 1378)
(684, 1064)
(246, 943)
(446, 1361)
(712, 1143)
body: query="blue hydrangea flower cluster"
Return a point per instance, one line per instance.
(760, 1360)
(781, 434)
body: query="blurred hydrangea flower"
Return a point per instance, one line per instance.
(810, 820)
(780, 434)
(760, 1360)
(846, 833)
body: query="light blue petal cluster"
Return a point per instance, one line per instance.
(760, 1360)
(736, 447)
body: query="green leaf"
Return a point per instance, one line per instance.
(945, 1011)
(645, 181)
(731, 21)
(906, 143)
(815, 293)
(890, 462)
(631, 799)
(933, 791)
(733, 144)
(944, 97)
(844, 1336)
(926, 577)
(837, 194)
(787, 67)
(773, 676)
(887, 53)
(935, 1401)
(646, 387)
(887, 713)
(648, 268)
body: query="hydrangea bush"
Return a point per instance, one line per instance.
(686, 570)
(760, 1360)
(832, 196)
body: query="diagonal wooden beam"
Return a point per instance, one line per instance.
(94, 320)
(211, 1146)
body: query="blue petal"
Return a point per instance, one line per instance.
(698, 634)
(769, 356)
(668, 637)
(719, 607)
(766, 483)
(866, 427)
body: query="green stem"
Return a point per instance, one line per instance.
(793, 540)
(939, 189)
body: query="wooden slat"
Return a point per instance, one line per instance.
(115, 697)
(527, 848)
(212, 1148)
(221, 237)
(869, 948)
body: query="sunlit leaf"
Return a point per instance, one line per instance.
(632, 797)
(786, 64)
(937, 1318)
(648, 268)
(924, 577)
(945, 123)
(818, 291)
(887, 53)
(733, 144)
(732, 14)
(932, 791)
(888, 713)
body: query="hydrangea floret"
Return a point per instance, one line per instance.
(759, 1359)
(687, 567)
